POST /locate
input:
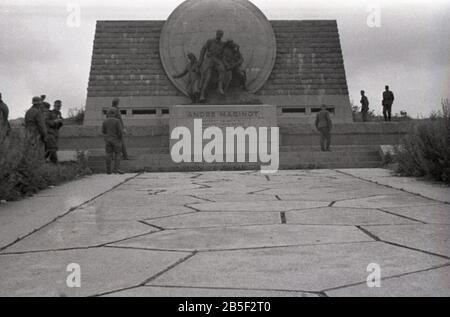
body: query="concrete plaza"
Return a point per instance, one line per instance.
(294, 233)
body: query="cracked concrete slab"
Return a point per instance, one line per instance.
(344, 216)
(109, 212)
(383, 201)
(102, 270)
(430, 238)
(434, 214)
(429, 283)
(66, 235)
(176, 291)
(203, 239)
(216, 219)
(312, 268)
(18, 219)
(260, 206)
(293, 233)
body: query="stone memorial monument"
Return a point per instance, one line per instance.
(240, 58)
(220, 60)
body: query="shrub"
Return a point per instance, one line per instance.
(425, 151)
(23, 173)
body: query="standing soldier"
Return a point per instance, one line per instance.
(364, 106)
(54, 122)
(388, 100)
(324, 125)
(113, 133)
(35, 132)
(44, 104)
(115, 105)
(4, 112)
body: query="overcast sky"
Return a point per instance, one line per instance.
(40, 52)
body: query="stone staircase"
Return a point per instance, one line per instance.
(291, 157)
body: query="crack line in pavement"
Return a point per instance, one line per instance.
(389, 186)
(368, 233)
(401, 216)
(388, 277)
(169, 216)
(234, 288)
(373, 236)
(180, 261)
(79, 247)
(257, 191)
(151, 278)
(415, 249)
(145, 249)
(68, 212)
(201, 198)
(332, 203)
(151, 225)
(282, 246)
(193, 208)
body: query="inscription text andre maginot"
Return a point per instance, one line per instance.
(224, 114)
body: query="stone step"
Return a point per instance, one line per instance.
(291, 157)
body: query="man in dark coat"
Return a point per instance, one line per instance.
(113, 134)
(364, 106)
(324, 125)
(54, 122)
(388, 100)
(35, 131)
(4, 114)
(115, 105)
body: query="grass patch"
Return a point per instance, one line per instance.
(425, 151)
(23, 173)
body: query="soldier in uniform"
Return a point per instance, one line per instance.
(4, 112)
(115, 105)
(324, 125)
(53, 122)
(232, 58)
(388, 100)
(193, 70)
(44, 104)
(35, 131)
(210, 59)
(113, 133)
(364, 106)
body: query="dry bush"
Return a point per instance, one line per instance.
(23, 171)
(425, 151)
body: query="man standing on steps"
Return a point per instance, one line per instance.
(115, 104)
(364, 106)
(324, 125)
(113, 132)
(388, 100)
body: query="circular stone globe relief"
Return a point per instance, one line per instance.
(195, 21)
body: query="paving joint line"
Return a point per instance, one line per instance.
(388, 277)
(68, 212)
(401, 216)
(392, 187)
